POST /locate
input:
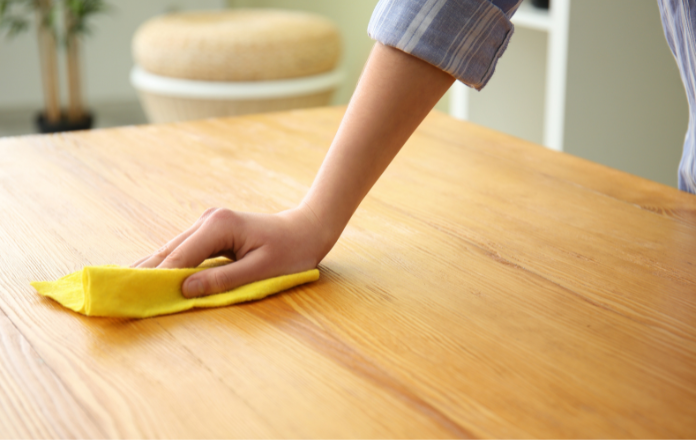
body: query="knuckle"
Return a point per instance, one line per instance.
(163, 252)
(223, 216)
(176, 258)
(208, 212)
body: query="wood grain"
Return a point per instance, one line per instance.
(486, 287)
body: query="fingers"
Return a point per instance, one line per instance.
(139, 262)
(215, 235)
(193, 250)
(158, 257)
(155, 259)
(252, 267)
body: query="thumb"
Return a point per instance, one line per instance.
(225, 278)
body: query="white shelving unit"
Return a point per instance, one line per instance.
(555, 23)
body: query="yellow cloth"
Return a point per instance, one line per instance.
(140, 293)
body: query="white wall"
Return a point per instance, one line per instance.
(625, 102)
(106, 56)
(626, 106)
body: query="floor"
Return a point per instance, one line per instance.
(17, 122)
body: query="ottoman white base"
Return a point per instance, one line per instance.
(171, 99)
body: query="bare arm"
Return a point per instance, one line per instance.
(395, 93)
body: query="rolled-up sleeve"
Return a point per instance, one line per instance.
(465, 38)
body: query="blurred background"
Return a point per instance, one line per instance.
(594, 78)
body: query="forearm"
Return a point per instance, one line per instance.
(395, 93)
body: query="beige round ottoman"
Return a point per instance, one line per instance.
(196, 65)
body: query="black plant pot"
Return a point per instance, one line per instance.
(44, 126)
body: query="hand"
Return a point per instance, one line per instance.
(261, 245)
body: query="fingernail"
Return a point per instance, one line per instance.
(193, 288)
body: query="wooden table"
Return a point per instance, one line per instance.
(486, 287)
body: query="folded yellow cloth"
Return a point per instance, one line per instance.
(140, 293)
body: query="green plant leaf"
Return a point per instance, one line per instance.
(80, 11)
(14, 16)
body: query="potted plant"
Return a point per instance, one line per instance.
(15, 16)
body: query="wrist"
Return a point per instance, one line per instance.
(323, 230)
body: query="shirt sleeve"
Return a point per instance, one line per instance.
(464, 38)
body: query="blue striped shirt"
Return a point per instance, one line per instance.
(679, 21)
(465, 38)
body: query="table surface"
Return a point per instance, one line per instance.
(487, 287)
